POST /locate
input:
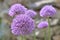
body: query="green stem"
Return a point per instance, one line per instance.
(24, 38)
(34, 36)
(49, 35)
(21, 37)
(44, 34)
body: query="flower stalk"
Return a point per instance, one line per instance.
(45, 34)
(34, 36)
(49, 35)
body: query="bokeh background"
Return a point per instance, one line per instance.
(5, 19)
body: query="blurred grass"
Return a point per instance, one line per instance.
(1, 0)
(0, 20)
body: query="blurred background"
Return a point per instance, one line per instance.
(5, 19)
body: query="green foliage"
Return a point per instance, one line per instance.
(0, 20)
(1, 0)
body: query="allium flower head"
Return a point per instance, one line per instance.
(31, 13)
(47, 11)
(43, 24)
(17, 9)
(22, 25)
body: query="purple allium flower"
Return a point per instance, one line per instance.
(31, 13)
(43, 24)
(17, 9)
(47, 11)
(22, 25)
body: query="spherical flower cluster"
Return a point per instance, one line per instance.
(31, 13)
(43, 24)
(22, 25)
(17, 9)
(48, 11)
